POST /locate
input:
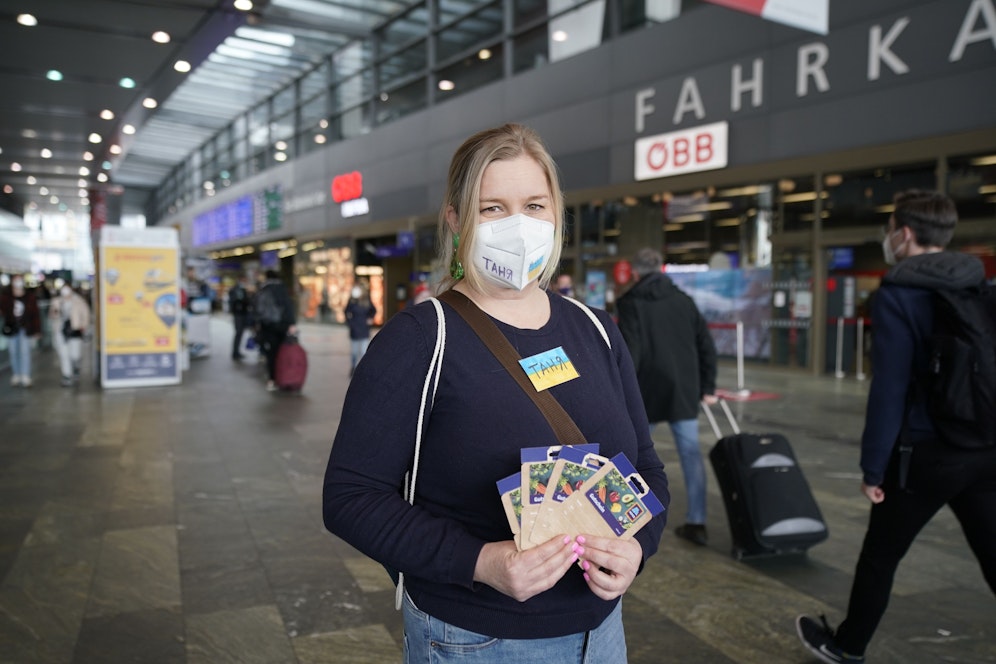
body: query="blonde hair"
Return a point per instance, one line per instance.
(463, 193)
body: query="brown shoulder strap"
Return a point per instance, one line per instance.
(563, 426)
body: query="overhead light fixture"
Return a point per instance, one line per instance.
(43, 191)
(280, 156)
(559, 36)
(114, 149)
(27, 20)
(101, 177)
(149, 102)
(16, 167)
(46, 153)
(107, 165)
(484, 54)
(107, 114)
(988, 160)
(29, 133)
(81, 182)
(128, 129)
(181, 66)
(446, 85)
(31, 179)
(95, 138)
(320, 139)
(87, 156)
(160, 37)
(54, 75)
(243, 5)
(84, 171)
(127, 82)
(280, 145)
(7, 189)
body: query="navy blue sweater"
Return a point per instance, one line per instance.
(480, 421)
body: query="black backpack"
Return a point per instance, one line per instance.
(267, 307)
(961, 376)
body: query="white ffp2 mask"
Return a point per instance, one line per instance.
(513, 251)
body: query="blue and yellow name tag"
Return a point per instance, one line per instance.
(549, 368)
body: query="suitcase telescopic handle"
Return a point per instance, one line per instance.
(712, 419)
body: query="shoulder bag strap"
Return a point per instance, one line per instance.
(563, 426)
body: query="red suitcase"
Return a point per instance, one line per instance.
(292, 365)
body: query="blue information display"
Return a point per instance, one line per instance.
(254, 213)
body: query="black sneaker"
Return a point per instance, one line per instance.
(818, 638)
(693, 532)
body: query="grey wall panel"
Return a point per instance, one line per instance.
(583, 170)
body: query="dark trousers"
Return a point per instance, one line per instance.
(939, 475)
(270, 339)
(240, 321)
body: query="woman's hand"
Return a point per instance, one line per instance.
(523, 574)
(610, 564)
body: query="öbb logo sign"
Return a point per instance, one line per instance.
(696, 149)
(347, 187)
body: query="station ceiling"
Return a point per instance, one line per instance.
(64, 91)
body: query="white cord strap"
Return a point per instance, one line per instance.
(594, 319)
(431, 378)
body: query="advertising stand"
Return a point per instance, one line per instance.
(140, 306)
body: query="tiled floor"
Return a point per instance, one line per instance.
(183, 524)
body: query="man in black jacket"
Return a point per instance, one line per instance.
(274, 313)
(675, 359)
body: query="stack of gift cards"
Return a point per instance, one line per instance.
(571, 490)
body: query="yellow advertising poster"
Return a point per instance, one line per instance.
(140, 307)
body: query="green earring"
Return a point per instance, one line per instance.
(456, 267)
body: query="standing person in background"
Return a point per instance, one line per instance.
(675, 359)
(239, 306)
(69, 315)
(21, 324)
(469, 593)
(273, 310)
(908, 471)
(359, 314)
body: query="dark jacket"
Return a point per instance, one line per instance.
(672, 348)
(280, 294)
(239, 302)
(902, 320)
(29, 321)
(358, 317)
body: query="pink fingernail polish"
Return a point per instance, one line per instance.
(586, 577)
(574, 558)
(566, 539)
(580, 539)
(585, 565)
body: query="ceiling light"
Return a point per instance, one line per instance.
(81, 182)
(32, 179)
(559, 36)
(280, 156)
(988, 160)
(181, 66)
(149, 102)
(87, 156)
(107, 114)
(484, 54)
(101, 177)
(446, 85)
(280, 145)
(107, 165)
(29, 133)
(54, 200)
(27, 20)
(43, 191)
(84, 171)
(46, 153)
(16, 167)
(160, 37)
(114, 149)
(243, 5)
(208, 185)
(7, 189)
(54, 75)
(128, 129)
(81, 193)
(384, 96)
(323, 123)
(95, 138)
(127, 82)
(320, 139)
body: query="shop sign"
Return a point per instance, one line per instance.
(685, 151)
(347, 190)
(622, 271)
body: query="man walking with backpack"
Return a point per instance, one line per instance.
(274, 313)
(920, 452)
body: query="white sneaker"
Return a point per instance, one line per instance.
(26, 381)
(15, 380)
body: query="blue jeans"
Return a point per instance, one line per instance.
(357, 348)
(20, 354)
(432, 641)
(686, 439)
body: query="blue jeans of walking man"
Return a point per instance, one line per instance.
(686, 439)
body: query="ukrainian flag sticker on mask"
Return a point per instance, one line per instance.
(549, 368)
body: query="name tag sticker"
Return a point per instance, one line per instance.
(549, 368)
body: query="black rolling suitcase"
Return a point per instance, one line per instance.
(769, 504)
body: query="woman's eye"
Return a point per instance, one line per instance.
(534, 206)
(490, 208)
